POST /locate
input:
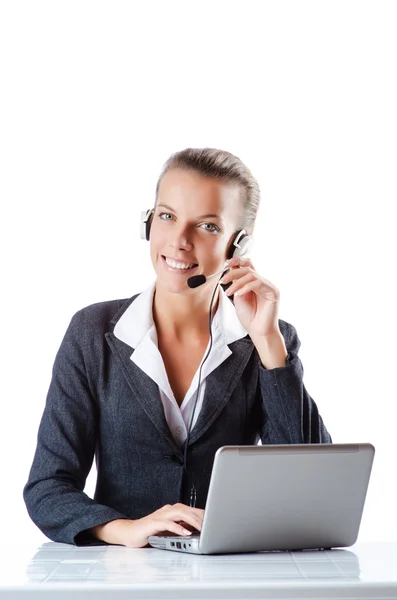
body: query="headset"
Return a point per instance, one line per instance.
(240, 246)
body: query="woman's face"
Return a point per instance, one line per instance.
(194, 221)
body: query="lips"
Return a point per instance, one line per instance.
(176, 269)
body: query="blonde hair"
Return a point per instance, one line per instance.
(225, 166)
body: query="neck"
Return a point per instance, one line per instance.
(183, 316)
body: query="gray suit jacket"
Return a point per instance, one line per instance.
(101, 404)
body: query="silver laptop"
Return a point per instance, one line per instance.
(281, 497)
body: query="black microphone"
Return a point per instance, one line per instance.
(197, 280)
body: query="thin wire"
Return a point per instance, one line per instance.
(193, 488)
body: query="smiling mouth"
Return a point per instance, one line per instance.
(175, 265)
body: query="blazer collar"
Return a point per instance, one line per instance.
(130, 330)
(136, 320)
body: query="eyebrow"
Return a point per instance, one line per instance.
(202, 216)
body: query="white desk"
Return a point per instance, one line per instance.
(61, 571)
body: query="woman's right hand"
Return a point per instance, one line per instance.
(135, 534)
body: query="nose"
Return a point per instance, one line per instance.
(180, 239)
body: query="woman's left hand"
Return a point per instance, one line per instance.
(256, 299)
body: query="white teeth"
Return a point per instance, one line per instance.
(177, 265)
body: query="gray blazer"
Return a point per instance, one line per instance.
(100, 403)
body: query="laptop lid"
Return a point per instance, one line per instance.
(285, 497)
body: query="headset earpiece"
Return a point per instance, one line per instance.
(241, 244)
(146, 222)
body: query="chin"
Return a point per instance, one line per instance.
(171, 286)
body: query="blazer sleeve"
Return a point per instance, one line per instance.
(290, 415)
(66, 442)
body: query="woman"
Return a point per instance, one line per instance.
(140, 384)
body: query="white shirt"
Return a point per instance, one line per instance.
(137, 329)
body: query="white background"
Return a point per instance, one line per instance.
(94, 98)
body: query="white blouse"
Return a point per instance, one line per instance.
(137, 329)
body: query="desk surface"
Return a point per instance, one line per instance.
(60, 571)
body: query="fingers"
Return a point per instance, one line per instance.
(188, 527)
(239, 261)
(259, 286)
(169, 518)
(252, 286)
(245, 279)
(238, 268)
(234, 274)
(240, 280)
(193, 517)
(160, 525)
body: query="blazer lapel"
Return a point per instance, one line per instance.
(220, 385)
(145, 390)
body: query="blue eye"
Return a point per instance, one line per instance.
(216, 228)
